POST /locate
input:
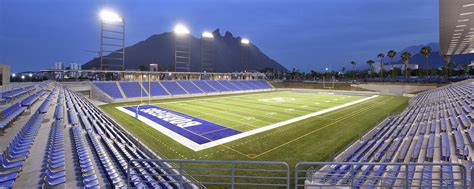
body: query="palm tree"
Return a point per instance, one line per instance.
(450, 66)
(370, 62)
(381, 56)
(425, 51)
(446, 59)
(353, 63)
(406, 60)
(391, 54)
(465, 69)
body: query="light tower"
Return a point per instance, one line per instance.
(207, 52)
(182, 53)
(244, 53)
(112, 40)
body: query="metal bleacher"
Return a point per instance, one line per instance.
(428, 141)
(170, 88)
(62, 140)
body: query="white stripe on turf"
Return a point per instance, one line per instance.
(196, 147)
(279, 124)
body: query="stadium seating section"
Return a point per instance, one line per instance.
(178, 87)
(436, 127)
(84, 148)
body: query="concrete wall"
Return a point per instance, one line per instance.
(397, 90)
(78, 86)
(368, 93)
(99, 95)
(4, 74)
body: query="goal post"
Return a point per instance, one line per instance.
(329, 82)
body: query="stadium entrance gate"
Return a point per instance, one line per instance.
(272, 174)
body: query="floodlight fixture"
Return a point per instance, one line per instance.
(109, 16)
(22, 77)
(207, 35)
(13, 75)
(181, 29)
(244, 41)
(30, 75)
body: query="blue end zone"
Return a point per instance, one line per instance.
(195, 129)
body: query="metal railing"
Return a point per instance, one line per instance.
(380, 175)
(211, 173)
(271, 174)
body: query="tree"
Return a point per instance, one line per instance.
(446, 59)
(370, 62)
(426, 51)
(406, 61)
(465, 69)
(353, 63)
(142, 67)
(381, 56)
(450, 66)
(391, 54)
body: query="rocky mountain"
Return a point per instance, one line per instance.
(159, 49)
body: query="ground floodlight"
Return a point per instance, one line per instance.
(207, 35)
(245, 41)
(181, 29)
(22, 77)
(30, 75)
(110, 16)
(13, 75)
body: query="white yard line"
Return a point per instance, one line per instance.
(216, 98)
(197, 147)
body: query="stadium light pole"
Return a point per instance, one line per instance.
(109, 38)
(207, 52)
(244, 53)
(182, 53)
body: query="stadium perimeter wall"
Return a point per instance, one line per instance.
(396, 90)
(328, 91)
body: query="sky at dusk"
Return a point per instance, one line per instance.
(301, 34)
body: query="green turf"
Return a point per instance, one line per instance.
(314, 139)
(250, 111)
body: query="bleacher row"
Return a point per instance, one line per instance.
(179, 87)
(112, 147)
(18, 150)
(84, 149)
(437, 127)
(15, 92)
(14, 102)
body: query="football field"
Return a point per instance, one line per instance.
(251, 111)
(284, 125)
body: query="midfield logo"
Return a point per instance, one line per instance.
(278, 99)
(170, 117)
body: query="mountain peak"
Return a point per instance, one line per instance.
(217, 32)
(160, 49)
(228, 35)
